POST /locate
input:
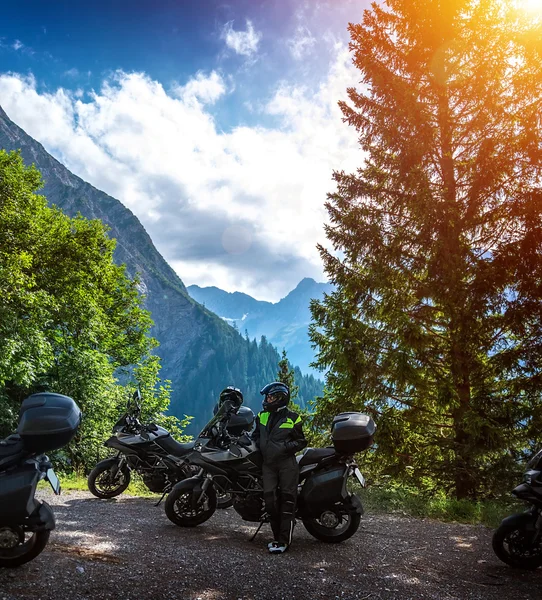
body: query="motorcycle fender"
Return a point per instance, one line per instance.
(192, 484)
(357, 506)
(47, 517)
(521, 519)
(42, 519)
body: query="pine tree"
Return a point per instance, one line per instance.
(435, 325)
(286, 375)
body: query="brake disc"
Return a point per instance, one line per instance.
(329, 519)
(11, 537)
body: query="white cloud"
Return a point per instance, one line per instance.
(72, 72)
(195, 187)
(241, 42)
(17, 45)
(201, 88)
(300, 45)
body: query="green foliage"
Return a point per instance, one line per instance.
(387, 497)
(435, 325)
(286, 375)
(70, 318)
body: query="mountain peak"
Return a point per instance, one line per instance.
(305, 283)
(3, 114)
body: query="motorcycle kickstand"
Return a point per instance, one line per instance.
(264, 519)
(166, 491)
(257, 531)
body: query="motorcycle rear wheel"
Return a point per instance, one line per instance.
(25, 551)
(102, 485)
(333, 526)
(511, 543)
(179, 508)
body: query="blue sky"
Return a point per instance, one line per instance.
(215, 122)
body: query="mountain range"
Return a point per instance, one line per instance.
(201, 353)
(284, 323)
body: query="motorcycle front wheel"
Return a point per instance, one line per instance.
(18, 547)
(180, 508)
(518, 543)
(333, 526)
(105, 483)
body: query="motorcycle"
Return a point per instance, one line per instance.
(151, 451)
(327, 509)
(47, 422)
(518, 540)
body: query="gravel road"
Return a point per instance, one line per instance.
(127, 549)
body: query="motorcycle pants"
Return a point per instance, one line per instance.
(280, 493)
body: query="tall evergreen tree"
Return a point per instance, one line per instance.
(286, 375)
(435, 325)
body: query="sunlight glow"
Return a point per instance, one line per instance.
(531, 6)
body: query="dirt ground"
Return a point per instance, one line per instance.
(127, 549)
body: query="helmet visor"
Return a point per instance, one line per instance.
(270, 398)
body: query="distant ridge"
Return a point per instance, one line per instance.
(284, 323)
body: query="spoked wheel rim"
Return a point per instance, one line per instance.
(519, 545)
(16, 542)
(183, 506)
(106, 484)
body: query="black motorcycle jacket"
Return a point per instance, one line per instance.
(278, 434)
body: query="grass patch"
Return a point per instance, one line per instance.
(78, 482)
(415, 503)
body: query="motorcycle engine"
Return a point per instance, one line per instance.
(155, 483)
(249, 507)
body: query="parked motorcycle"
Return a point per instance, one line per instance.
(47, 422)
(152, 452)
(327, 509)
(518, 540)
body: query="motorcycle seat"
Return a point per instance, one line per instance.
(175, 448)
(312, 456)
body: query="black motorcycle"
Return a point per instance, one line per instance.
(518, 540)
(47, 422)
(151, 451)
(327, 509)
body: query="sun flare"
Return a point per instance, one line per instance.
(531, 6)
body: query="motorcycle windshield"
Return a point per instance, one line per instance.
(223, 413)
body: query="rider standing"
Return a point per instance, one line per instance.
(279, 435)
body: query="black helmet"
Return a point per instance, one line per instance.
(277, 395)
(232, 395)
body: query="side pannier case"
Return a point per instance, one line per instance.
(48, 421)
(352, 432)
